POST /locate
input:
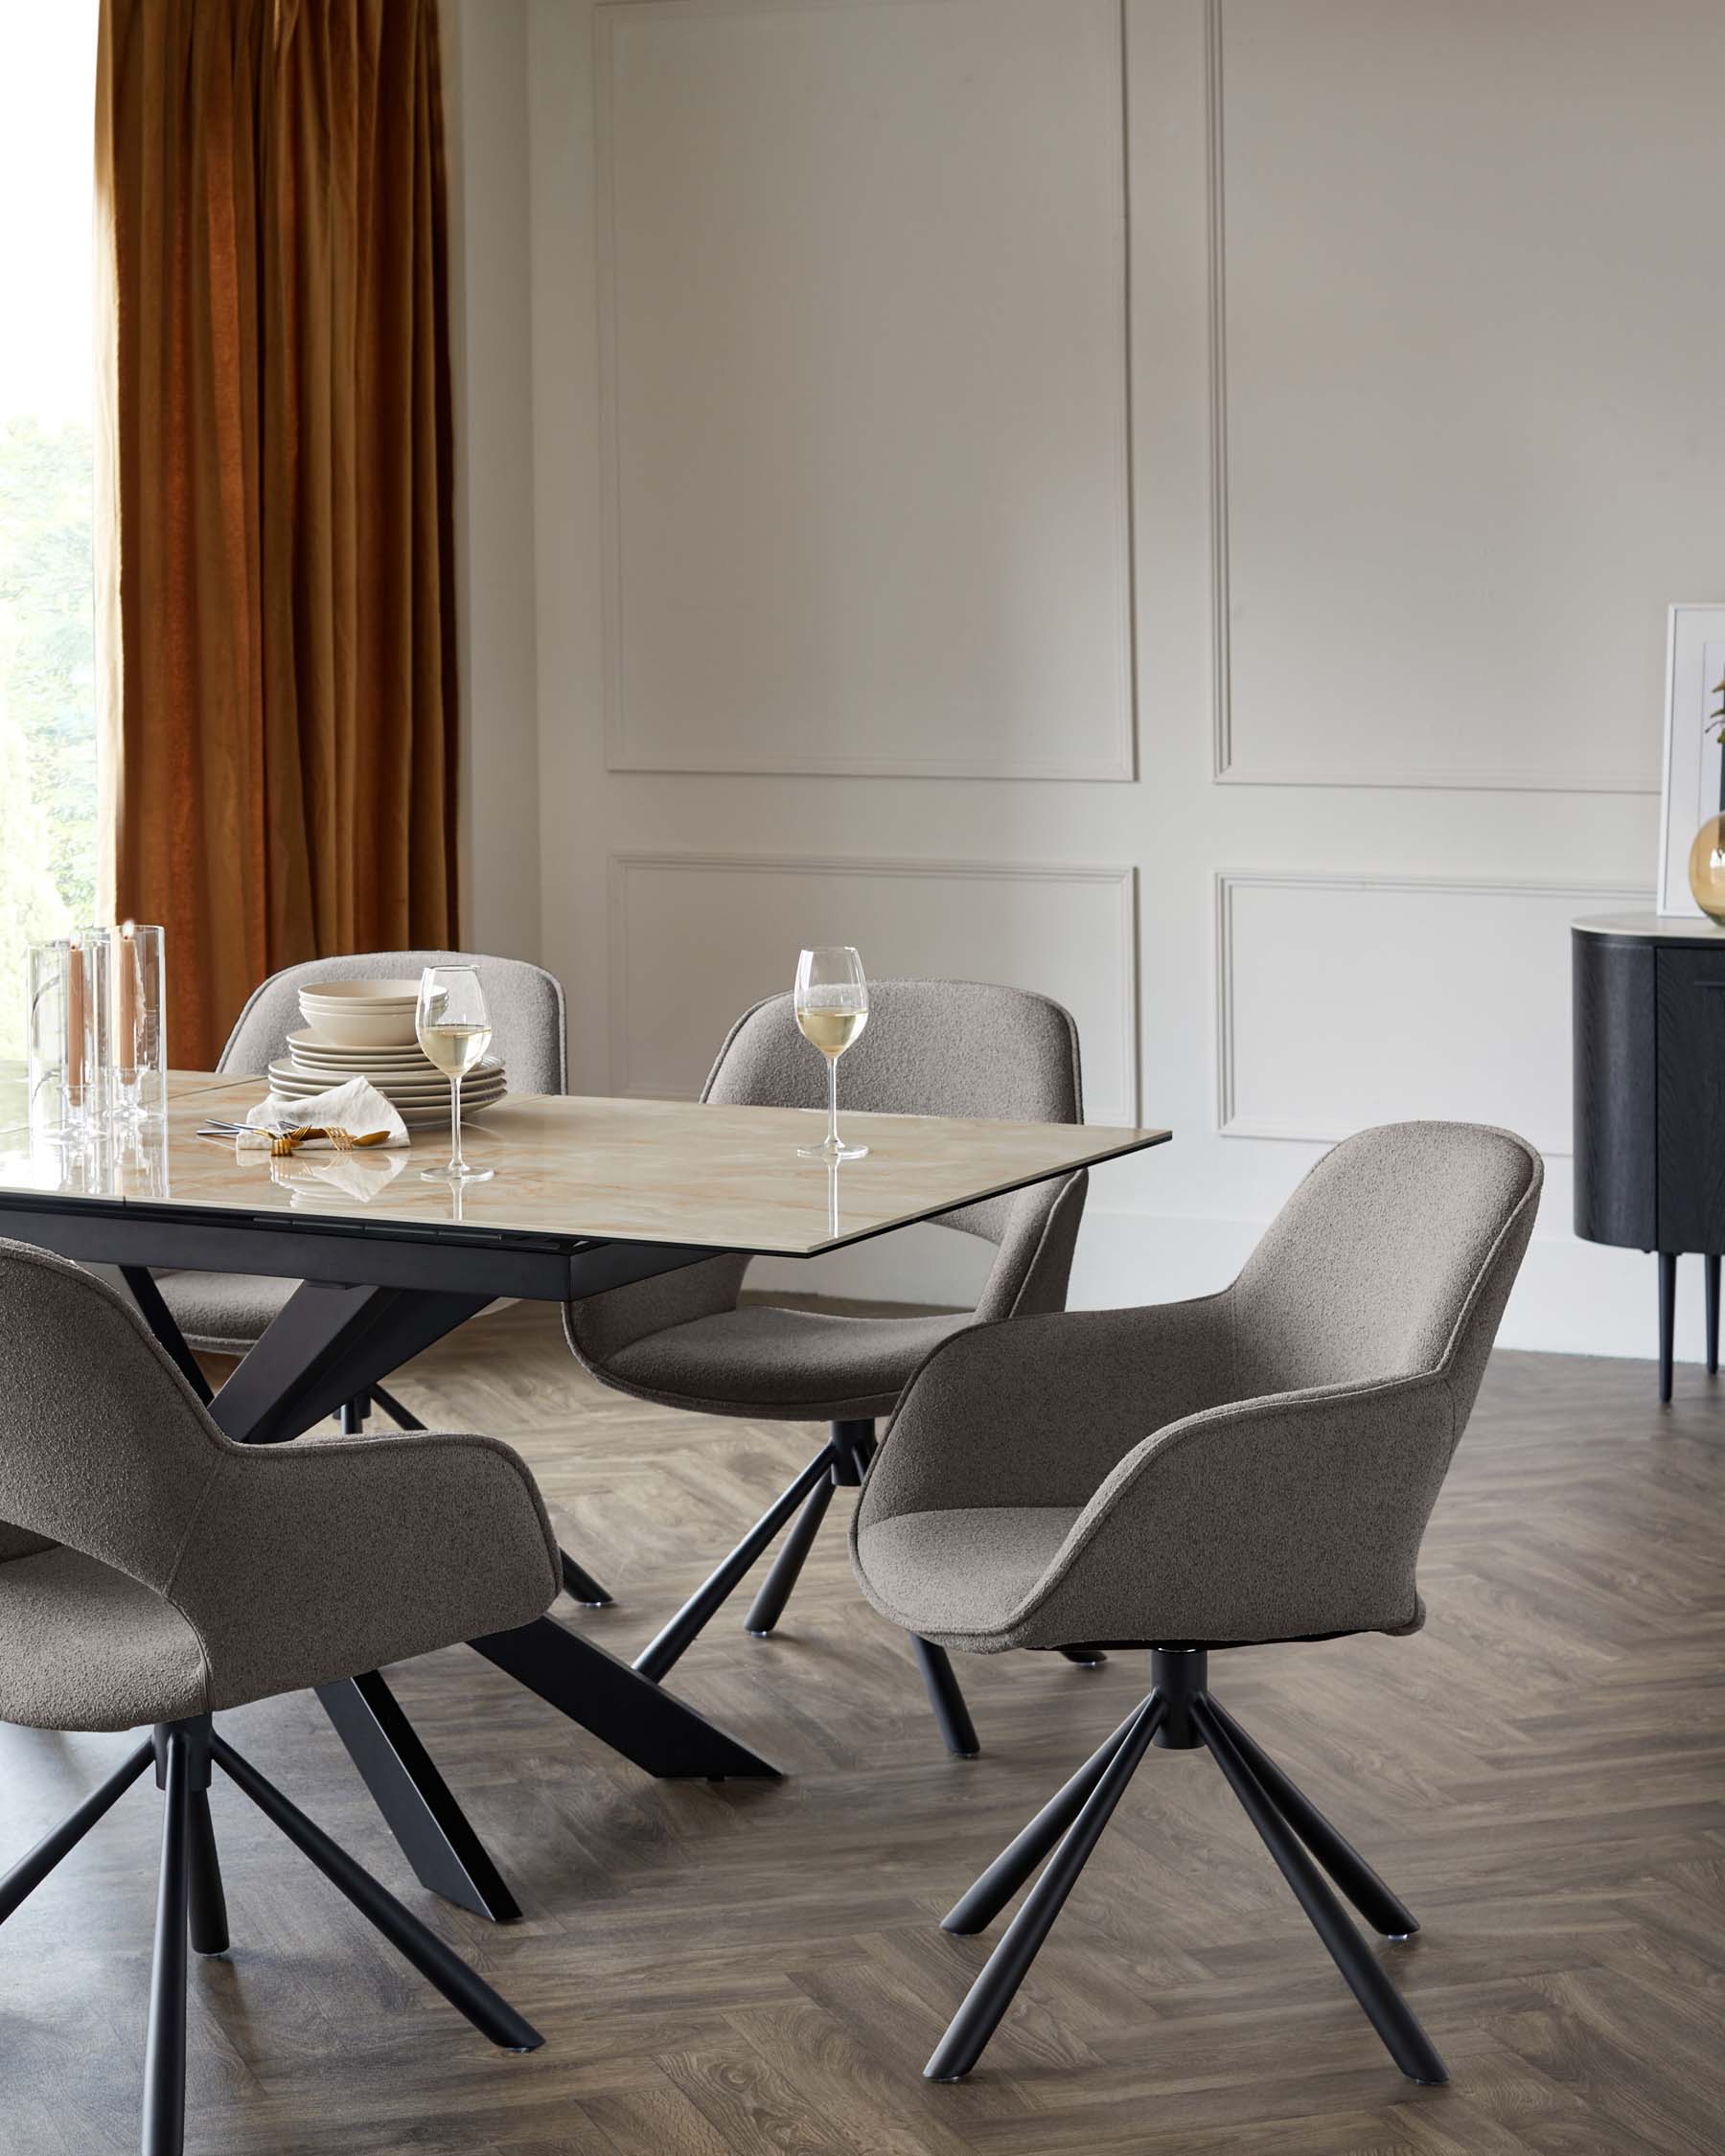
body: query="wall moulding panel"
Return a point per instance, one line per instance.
(863, 361)
(1457, 473)
(1344, 1002)
(697, 938)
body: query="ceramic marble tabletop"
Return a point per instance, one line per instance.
(647, 1171)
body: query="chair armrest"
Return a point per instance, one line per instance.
(319, 1560)
(1037, 1410)
(601, 1326)
(1285, 1517)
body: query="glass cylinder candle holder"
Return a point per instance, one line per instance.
(89, 1030)
(49, 1044)
(138, 1040)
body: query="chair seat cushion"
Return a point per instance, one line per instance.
(962, 1577)
(83, 1648)
(801, 1365)
(223, 1313)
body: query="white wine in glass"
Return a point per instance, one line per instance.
(832, 1009)
(454, 1031)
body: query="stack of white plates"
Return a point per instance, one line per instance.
(400, 1070)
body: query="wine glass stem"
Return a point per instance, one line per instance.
(832, 1136)
(457, 1165)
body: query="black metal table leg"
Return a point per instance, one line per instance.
(580, 1585)
(326, 1349)
(436, 1837)
(152, 1308)
(630, 1712)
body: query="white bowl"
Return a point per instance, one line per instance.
(361, 991)
(362, 1013)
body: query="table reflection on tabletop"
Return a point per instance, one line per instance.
(123, 1160)
(312, 1178)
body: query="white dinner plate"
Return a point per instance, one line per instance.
(306, 1043)
(301, 1084)
(487, 1098)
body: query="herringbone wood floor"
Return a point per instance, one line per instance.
(745, 1968)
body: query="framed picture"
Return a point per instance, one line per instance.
(1694, 764)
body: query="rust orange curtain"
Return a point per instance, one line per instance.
(276, 466)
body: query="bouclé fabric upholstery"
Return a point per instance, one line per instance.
(1258, 1464)
(165, 1571)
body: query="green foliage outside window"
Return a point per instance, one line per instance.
(47, 698)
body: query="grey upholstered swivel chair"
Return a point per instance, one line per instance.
(1258, 1465)
(154, 1573)
(932, 1047)
(225, 1313)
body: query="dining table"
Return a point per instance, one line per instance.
(589, 1195)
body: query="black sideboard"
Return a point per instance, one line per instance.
(1649, 1070)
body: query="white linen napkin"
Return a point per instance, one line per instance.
(356, 1106)
(312, 1175)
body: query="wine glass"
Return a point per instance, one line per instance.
(454, 1031)
(832, 1009)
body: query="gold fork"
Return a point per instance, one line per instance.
(285, 1143)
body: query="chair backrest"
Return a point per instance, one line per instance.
(930, 1048)
(102, 1446)
(525, 1002)
(1395, 1257)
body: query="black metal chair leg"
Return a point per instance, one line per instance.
(354, 1413)
(1384, 1911)
(1668, 1323)
(29, 1872)
(1085, 1657)
(977, 1909)
(1384, 2007)
(769, 1605)
(403, 1417)
(580, 1585)
(208, 1904)
(957, 1727)
(463, 1988)
(989, 1997)
(661, 1652)
(165, 2046)
(853, 1448)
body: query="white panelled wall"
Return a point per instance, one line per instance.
(1170, 504)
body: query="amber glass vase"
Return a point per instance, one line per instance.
(1707, 868)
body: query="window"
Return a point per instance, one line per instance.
(47, 649)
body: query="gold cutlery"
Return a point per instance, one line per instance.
(285, 1142)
